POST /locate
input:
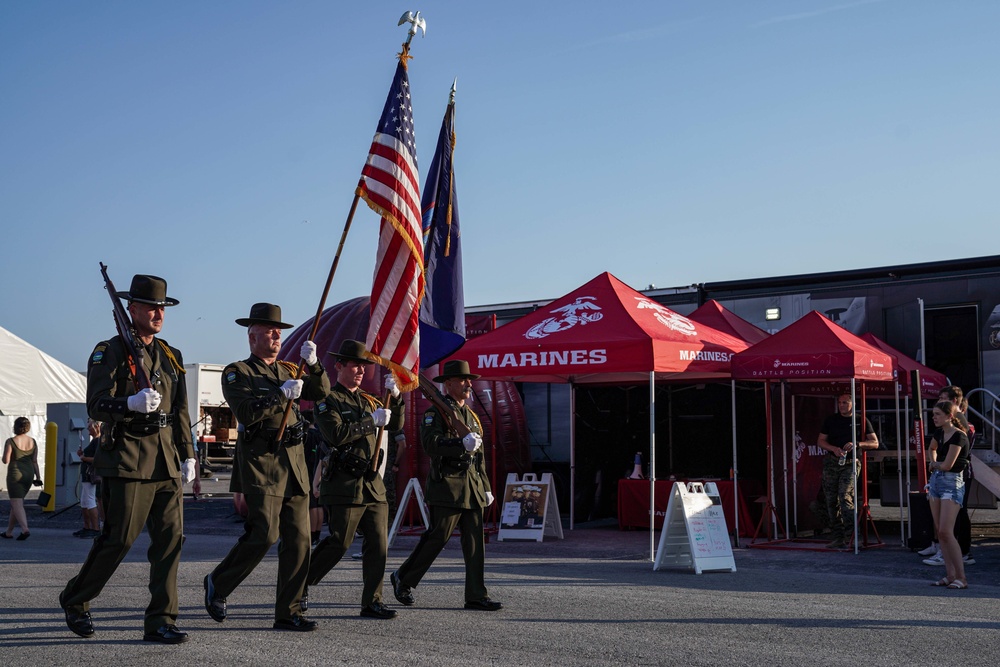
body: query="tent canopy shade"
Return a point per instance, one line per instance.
(715, 315)
(813, 347)
(604, 332)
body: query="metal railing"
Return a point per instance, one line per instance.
(991, 423)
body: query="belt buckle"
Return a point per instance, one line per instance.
(162, 421)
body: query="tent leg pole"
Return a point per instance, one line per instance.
(572, 455)
(652, 467)
(735, 475)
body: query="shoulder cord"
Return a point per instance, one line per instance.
(171, 357)
(290, 367)
(373, 403)
(475, 418)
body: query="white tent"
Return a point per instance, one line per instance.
(29, 380)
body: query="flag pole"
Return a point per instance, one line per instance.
(416, 21)
(319, 309)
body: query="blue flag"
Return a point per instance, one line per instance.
(442, 313)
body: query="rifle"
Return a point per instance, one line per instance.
(127, 333)
(447, 411)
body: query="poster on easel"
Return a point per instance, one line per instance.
(694, 531)
(529, 509)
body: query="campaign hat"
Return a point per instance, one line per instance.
(455, 368)
(264, 313)
(352, 350)
(148, 289)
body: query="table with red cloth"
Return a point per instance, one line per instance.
(633, 502)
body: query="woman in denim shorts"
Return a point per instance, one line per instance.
(947, 490)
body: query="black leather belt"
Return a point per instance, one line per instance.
(150, 423)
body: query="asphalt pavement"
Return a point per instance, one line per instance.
(590, 599)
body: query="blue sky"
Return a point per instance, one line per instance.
(217, 144)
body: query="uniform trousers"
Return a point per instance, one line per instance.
(838, 487)
(344, 520)
(129, 506)
(268, 518)
(444, 520)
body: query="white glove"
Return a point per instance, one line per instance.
(489, 498)
(292, 389)
(390, 385)
(472, 442)
(188, 469)
(145, 401)
(308, 353)
(382, 416)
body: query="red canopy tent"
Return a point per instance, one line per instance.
(603, 332)
(812, 348)
(715, 315)
(931, 382)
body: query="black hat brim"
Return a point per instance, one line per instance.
(442, 378)
(167, 301)
(345, 357)
(247, 321)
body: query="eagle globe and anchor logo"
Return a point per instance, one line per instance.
(583, 311)
(668, 318)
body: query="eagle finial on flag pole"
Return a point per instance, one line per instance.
(416, 21)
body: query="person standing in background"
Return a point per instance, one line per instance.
(90, 484)
(20, 455)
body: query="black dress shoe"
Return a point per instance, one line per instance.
(296, 623)
(378, 610)
(214, 604)
(402, 593)
(23, 536)
(167, 634)
(79, 622)
(483, 604)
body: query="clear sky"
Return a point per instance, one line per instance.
(217, 144)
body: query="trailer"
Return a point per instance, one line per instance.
(213, 423)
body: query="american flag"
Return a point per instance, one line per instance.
(390, 185)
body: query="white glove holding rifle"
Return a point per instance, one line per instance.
(146, 401)
(472, 442)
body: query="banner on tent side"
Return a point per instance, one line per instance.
(530, 509)
(694, 531)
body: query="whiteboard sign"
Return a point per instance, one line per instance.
(694, 530)
(530, 509)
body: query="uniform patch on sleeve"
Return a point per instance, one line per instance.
(98, 355)
(230, 377)
(322, 407)
(428, 418)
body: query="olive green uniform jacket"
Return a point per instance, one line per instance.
(253, 390)
(139, 447)
(344, 418)
(447, 486)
